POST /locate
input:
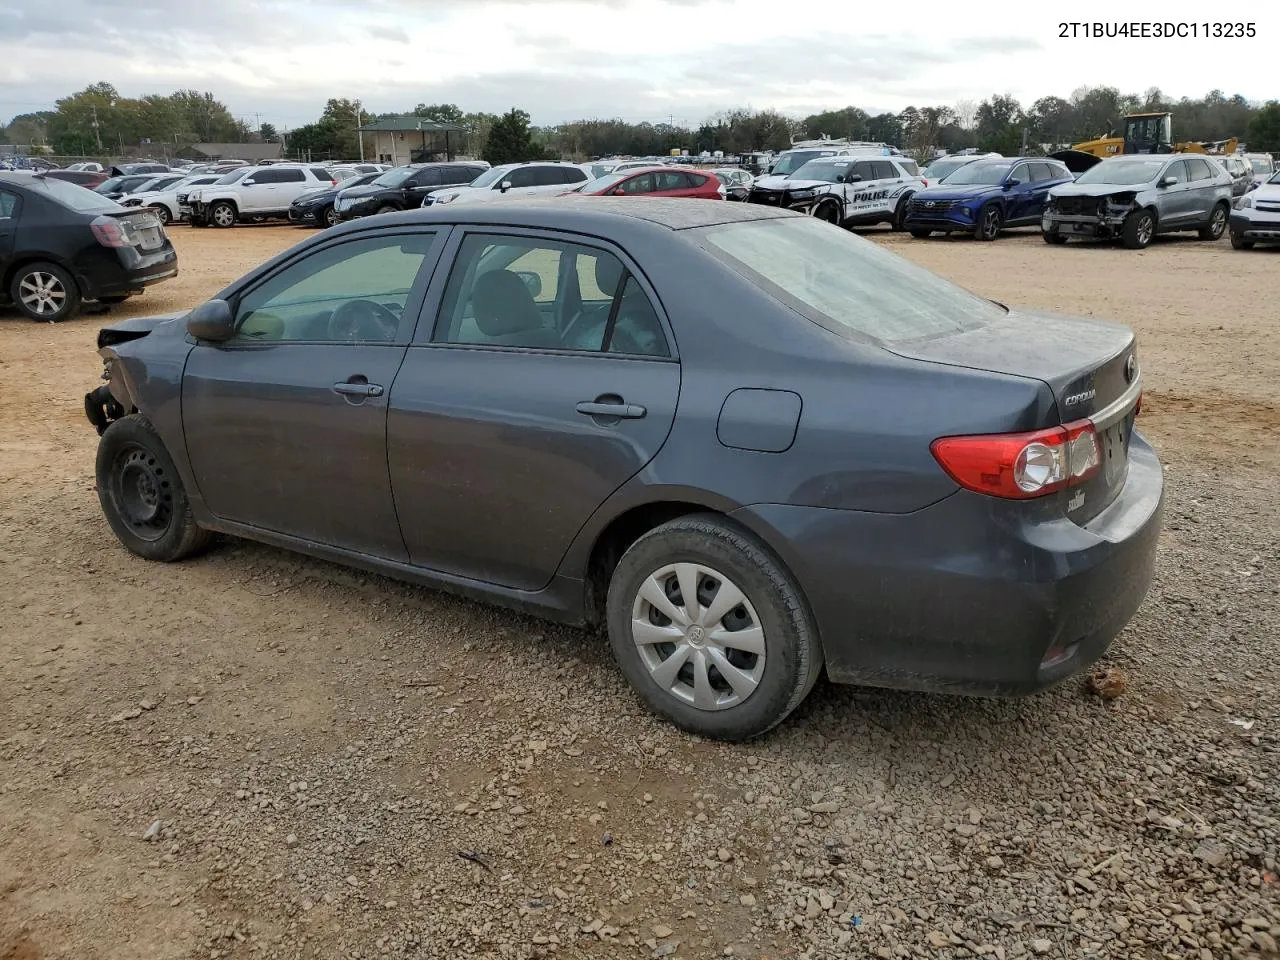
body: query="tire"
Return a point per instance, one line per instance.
(142, 495)
(329, 218)
(388, 208)
(1217, 225)
(990, 220)
(900, 213)
(716, 554)
(1053, 236)
(1240, 243)
(44, 292)
(222, 214)
(1139, 229)
(828, 213)
(162, 213)
(921, 234)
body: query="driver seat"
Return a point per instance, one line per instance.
(507, 313)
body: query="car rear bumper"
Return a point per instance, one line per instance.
(963, 596)
(124, 271)
(1255, 228)
(1077, 225)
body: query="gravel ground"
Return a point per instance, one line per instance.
(256, 754)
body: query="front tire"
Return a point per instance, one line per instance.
(388, 208)
(1053, 236)
(1217, 224)
(142, 495)
(1240, 243)
(736, 661)
(162, 213)
(44, 292)
(990, 220)
(1139, 229)
(222, 214)
(329, 218)
(900, 213)
(828, 213)
(921, 234)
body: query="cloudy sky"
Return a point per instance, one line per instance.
(278, 60)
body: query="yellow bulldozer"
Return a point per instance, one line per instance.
(1151, 133)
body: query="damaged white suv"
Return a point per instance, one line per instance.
(845, 190)
(1256, 216)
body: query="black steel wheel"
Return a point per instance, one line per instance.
(142, 495)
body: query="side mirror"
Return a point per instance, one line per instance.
(247, 182)
(618, 192)
(532, 281)
(1010, 184)
(212, 320)
(853, 178)
(505, 186)
(1168, 181)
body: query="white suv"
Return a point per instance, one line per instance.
(845, 190)
(512, 180)
(165, 202)
(255, 193)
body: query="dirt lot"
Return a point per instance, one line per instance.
(322, 747)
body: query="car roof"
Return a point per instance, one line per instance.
(587, 214)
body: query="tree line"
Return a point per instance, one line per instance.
(98, 121)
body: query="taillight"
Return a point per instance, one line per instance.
(109, 232)
(1019, 466)
(924, 181)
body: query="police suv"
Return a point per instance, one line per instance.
(845, 190)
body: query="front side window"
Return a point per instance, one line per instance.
(1178, 171)
(864, 169)
(351, 292)
(547, 177)
(532, 292)
(521, 177)
(845, 283)
(1021, 173)
(641, 183)
(292, 175)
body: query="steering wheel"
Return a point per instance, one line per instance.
(362, 320)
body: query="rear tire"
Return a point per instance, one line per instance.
(44, 292)
(142, 495)
(162, 213)
(766, 639)
(222, 214)
(1217, 225)
(1240, 243)
(388, 208)
(990, 220)
(1139, 229)
(921, 234)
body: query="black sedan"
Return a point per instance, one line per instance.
(315, 208)
(747, 444)
(61, 243)
(404, 188)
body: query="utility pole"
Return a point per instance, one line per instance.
(96, 132)
(359, 132)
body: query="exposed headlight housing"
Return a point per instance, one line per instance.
(1244, 202)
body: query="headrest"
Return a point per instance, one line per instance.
(608, 273)
(504, 305)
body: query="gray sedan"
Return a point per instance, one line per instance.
(747, 444)
(1137, 196)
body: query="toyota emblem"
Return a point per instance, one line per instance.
(1130, 368)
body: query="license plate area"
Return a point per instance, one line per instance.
(1115, 448)
(150, 238)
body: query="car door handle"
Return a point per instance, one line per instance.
(621, 411)
(357, 389)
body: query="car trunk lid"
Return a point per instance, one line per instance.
(1091, 368)
(140, 229)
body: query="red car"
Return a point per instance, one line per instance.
(657, 181)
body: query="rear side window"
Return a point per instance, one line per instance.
(845, 283)
(522, 177)
(8, 204)
(320, 173)
(1199, 169)
(910, 167)
(293, 175)
(455, 175)
(885, 170)
(573, 175)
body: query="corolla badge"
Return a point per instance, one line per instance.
(1075, 399)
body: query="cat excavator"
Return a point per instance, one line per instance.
(1143, 133)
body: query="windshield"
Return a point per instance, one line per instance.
(1275, 178)
(823, 170)
(394, 178)
(1260, 165)
(980, 173)
(845, 283)
(77, 198)
(1122, 172)
(793, 160)
(941, 169)
(110, 185)
(232, 177)
(489, 177)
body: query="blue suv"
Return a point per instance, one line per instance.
(986, 196)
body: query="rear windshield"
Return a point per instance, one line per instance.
(909, 166)
(77, 198)
(840, 281)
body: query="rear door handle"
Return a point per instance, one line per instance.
(348, 389)
(621, 411)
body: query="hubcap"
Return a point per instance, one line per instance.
(1144, 229)
(223, 216)
(699, 636)
(331, 216)
(42, 293)
(1219, 222)
(143, 493)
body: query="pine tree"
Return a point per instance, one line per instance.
(510, 141)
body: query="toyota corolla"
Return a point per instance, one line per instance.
(747, 445)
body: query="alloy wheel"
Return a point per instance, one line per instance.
(1146, 229)
(1218, 224)
(42, 293)
(991, 223)
(223, 215)
(331, 217)
(699, 636)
